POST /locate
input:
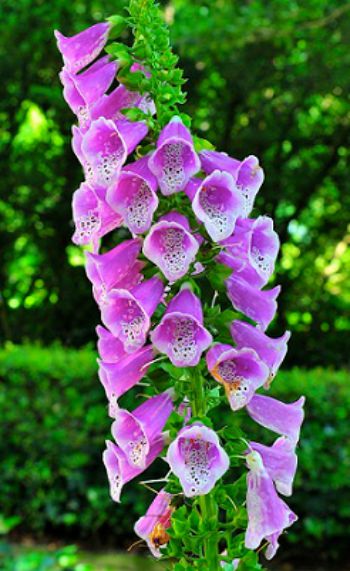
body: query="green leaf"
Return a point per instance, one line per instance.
(218, 275)
(119, 24)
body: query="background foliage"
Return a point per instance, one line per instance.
(263, 77)
(52, 432)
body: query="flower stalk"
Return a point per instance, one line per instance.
(187, 247)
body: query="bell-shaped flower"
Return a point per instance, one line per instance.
(271, 351)
(218, 203)
(133, 196)
(268, 515)
(252, 250)
(285, 419)
(216, 160)
(117, 268)
(181, 334)
(135, 432)
(175, 160)
(259, 305)
(93, 217)
(280, 461)
(197, 459)
(120, 376)
(127, 314)
(80, 50)
(109, 348)
(119, 471)
(83, 91)
(240, 371)
(106, 145)
(171, 246)
(153, 525)
(248, 174)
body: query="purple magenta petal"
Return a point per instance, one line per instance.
(175, 160)
(280, 462)
(80, 50)
(213, 160)
(285, 419)
(118, 378)
(83, 91)
(119, 471)
(181, 334)
(136, 432)
(197, 459)
(109, 270)
(261, 306)
(109, 348)
(268, 515)
(271, 351)
(127, 313)
(133, 196)
(171, 248)
(105, 149)
(218, 203)
(241, 372)
(92, 216)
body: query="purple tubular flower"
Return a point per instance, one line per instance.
(127, 313)
(197, 459)
(268, 515)
(217, 203)
(119, 471)
(135, 432)
(117, 378)
(252, 250)
(153, 525)
(117, 268)
(271, 351)
(93, 217)
(285, 419)
(213, 160)
(133, 196)
(181, 334)
(82, 91)
(171, 246)
(240, 371)
(106, 145)
(80, 50)
(109, 348)
(280, 462)
(248, 174)
(261, 306)
(175, 160)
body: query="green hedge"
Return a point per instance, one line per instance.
(54, 422)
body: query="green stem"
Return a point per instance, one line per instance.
(207, 503)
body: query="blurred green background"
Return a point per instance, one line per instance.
(265, 77)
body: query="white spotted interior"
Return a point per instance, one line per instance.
(138, 208)
(214, 211)
(197, 463)
(263, 263)
(87, 225)
(108, 164)
(136, 451)
(184, 346)
(173, 175)
(174, 256)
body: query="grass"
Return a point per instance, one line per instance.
(112, 561)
